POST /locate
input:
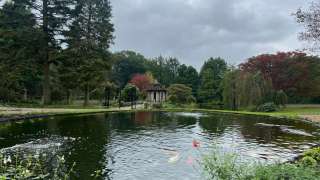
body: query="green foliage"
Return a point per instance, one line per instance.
(223, 166)
(130, 93)
(211, 76)
(227, 166)
(313, 153)
(231, 89)
(165, 70)
(283, 171)
(188, 76)
(280, 98)
(19, 44)
(308, 161)
(126, 64)
(267, 107)
(180, 94)
(22, 166)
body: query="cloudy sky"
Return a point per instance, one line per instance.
(193, 30)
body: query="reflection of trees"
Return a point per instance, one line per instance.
(215, 123)
(271, 134)
(89, 150)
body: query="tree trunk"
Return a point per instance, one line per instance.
(69, 96)
(86, 95)
(46, 84)
(46, 67)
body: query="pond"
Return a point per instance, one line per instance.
(157, 145)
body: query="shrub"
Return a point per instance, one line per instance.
(227, 166)
(180, 94)
(33, 167)
(130, 91)
(267, 107)
(308, 161)
(313, 153)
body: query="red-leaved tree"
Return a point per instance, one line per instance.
(142, 81)
(284, 69)
(293, 72)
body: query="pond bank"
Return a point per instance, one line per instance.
(309, 113)
(18, 114)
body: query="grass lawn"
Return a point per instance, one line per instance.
(311, 112)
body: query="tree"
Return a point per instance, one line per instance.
(142, 81)
(231, 89)
(130, 93)
(254, 89)
(89, 39)
(126, 64)
(211, 76)
(180, 94)
(52, 17)
(19, 44)
(188, 76)
(165, 70)
(292, 72)
(309, 19)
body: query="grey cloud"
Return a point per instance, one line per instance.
(194, 30)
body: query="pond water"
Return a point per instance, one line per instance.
(157, 145)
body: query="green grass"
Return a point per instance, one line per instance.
(291, 111)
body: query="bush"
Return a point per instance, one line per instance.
(130, 91)
(313, 153)
(308, 161)
(267, 107)
(21, 166)
(227, 166)
(180, 94)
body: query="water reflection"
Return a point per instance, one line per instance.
(139, 145)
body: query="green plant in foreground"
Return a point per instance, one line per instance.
(228, 166)
(21, 166)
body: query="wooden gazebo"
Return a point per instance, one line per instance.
(156, 93)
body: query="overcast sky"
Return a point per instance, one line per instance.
(194, 30)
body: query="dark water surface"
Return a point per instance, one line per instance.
(157, 145)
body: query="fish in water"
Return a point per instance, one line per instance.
(195, 143)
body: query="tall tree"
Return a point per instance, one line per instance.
(19, 44)
(211, 76)
(89, 38)
(188, 76)
(309, 19)
(52, 17)
(126, 65)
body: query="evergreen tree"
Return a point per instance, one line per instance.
(211, 76)
(89, 39)
(19, 44)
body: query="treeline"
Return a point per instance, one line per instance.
(51, 48)
(58, 51)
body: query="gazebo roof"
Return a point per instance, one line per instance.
(156, 87)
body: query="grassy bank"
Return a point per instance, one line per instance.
(8, 113)
(311, 112)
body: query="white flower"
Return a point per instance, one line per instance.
(7, 160)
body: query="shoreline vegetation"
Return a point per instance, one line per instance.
(9, 113)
